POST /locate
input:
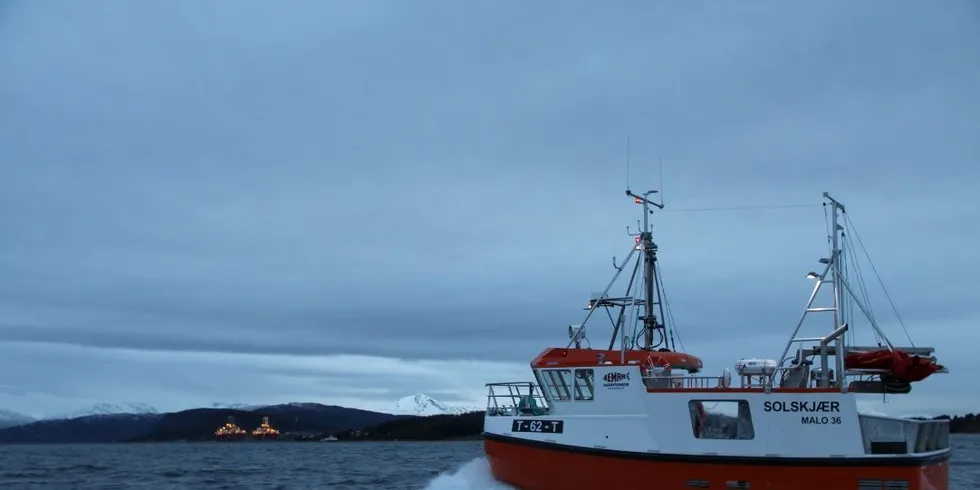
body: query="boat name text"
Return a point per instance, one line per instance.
(616, 381)
(801, 406)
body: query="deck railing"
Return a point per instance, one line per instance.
(888, 435)
(682, 382)
(515, 398)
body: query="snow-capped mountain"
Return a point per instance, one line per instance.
(12, 419)
(424, 405)
(235, 406)
(109, 409)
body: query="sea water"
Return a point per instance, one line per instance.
(292, 465)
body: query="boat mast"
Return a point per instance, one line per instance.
(651, 289)
(838, 281)
(652, 301)
(833, 275)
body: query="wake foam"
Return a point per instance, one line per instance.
(474, 475)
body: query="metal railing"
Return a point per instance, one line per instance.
(516, 398)
(889, 435)
(682, 382)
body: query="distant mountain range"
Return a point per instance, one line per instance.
(419, 404)
(12, 419)
(107, 422)
(107, 409)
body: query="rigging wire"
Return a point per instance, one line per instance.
(849, 262)
(669, 313)
(640, 292)
(826, 222)
(635, 311)
(741, 208)
(637, 331)
(671, 330)
(658, 280)
(874, 269)
(847, 300)
(855, 264)
(849, 270)
(862, 283)
(845, 265)
(621, 320)
(609, 314)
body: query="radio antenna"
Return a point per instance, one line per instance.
(661, 179)
(628, 162)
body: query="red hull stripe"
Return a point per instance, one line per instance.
(868, 461)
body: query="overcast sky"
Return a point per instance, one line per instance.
(350, 202)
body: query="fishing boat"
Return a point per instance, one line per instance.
(645, 414)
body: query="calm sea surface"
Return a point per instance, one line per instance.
(423, 465)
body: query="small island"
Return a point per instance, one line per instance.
(960, 424)
(467, 426)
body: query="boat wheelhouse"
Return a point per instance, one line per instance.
(646, 413)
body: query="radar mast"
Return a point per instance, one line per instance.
(642, 304)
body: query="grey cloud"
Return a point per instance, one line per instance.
(443, 181)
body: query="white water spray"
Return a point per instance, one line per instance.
(474, 475)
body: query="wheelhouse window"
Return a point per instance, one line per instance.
(558, 383)
(721, 419)
(584, 384)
